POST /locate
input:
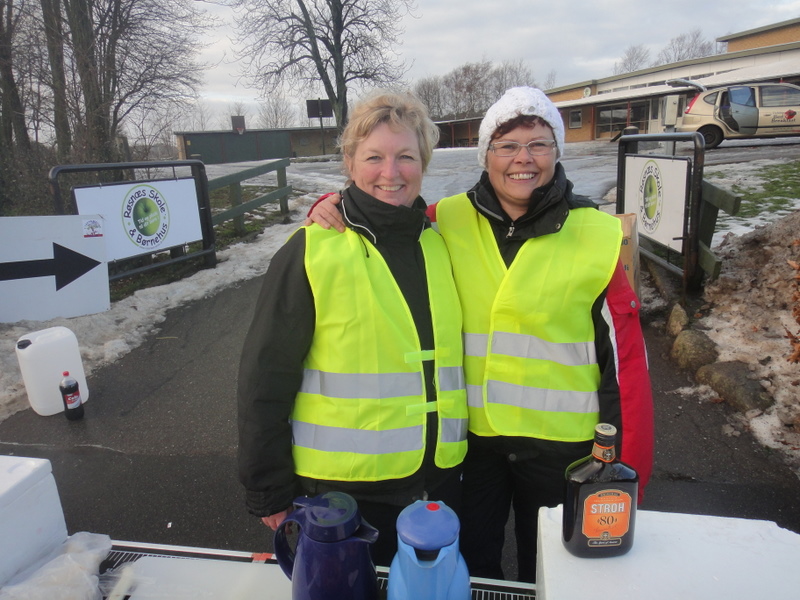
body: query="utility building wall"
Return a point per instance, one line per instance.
(217, 147)
(760, 39)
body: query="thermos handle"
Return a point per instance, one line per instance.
(283, 552)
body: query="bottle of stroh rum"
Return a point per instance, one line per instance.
(600, 504)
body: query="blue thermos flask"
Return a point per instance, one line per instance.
(332, 559)
(428, 564)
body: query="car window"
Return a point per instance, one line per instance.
(711, 98)
(779, 95)
(742, 95)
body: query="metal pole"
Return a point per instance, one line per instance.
(626, 146)
(693, 275)
(321, 129)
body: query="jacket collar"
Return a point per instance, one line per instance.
(376, 220)
(547, 213)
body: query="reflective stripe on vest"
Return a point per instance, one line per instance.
(361, 411)
(530, 358)
(513, 344)
(377, 385)
(339, 439)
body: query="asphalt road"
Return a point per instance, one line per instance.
(153, 460)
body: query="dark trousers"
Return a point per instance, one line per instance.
(499, 475)
(383, 516)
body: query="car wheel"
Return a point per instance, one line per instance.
(712, 135)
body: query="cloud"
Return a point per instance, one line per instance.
(579, 40)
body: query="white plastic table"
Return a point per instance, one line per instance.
(675, 556)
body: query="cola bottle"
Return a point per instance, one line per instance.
(71, 396)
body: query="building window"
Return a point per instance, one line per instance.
(612, 119)
(576, 119)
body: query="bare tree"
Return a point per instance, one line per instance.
(13, 127)
(430, 90)
(151, 133)
(14, 140)
(510, 74)
(54, 36)
(237, 108)
(275, 112)
(129, 55)
(201, 116)
(684, 47)
(335, 43)
(634, 58)
(33, 75)
(469, 89)
(74, 70)
(550, 80)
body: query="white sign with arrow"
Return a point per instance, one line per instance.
(52, 267)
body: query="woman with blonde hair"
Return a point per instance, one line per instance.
(350, 378)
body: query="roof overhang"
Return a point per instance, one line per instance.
(789, 67)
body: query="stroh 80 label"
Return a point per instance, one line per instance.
(606, 517)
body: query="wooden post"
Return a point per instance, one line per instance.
(284, 201)
(235, 199)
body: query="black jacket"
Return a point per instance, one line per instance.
(549, 209)
(271, 368)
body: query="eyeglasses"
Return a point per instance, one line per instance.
(535, 148)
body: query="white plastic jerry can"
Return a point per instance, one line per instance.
(43, 357)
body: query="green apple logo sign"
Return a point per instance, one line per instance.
(145, 216)
(650, 196)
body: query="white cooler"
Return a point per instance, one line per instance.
(675, 555)
(31, 518)
(43, 356)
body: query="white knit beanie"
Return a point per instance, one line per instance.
(515, 102)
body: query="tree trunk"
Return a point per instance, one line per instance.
(51, 10)
(13, 117)
(79, 16)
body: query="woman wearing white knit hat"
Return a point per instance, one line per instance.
(552, 339)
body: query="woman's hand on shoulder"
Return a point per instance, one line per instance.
(325, 214)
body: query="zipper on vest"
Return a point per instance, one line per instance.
(363, 243)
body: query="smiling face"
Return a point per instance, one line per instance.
(387, 165)
(515, 177)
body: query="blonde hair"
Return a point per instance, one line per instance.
(398, 109)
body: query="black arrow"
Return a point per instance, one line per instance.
(66, 265)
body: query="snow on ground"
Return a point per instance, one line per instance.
(751, 301)
(750, 317)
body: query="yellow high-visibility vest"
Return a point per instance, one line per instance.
(530, 364)
(361, 412)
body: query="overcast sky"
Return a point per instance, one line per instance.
(578, 39)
